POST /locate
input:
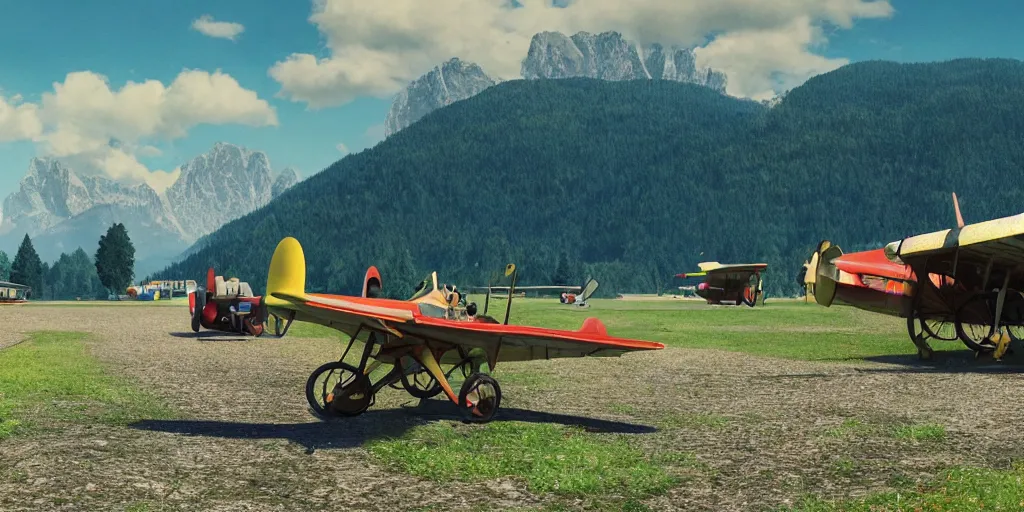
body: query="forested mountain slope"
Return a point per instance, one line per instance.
(639, 180)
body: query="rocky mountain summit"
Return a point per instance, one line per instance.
(452, 81)
(62, 210)
(553, 55)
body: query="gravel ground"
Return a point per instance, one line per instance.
(757, 428)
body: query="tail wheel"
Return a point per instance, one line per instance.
(419, 382)
(975, 323)
(338, 389)
(479, 398)
(197, 312)
(278, 325)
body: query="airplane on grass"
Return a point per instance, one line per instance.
(227, 306)
(416, 337)
(735, 284)
(975, 274)
(571, 295)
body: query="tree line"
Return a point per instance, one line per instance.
(74, 276)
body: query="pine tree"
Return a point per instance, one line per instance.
(562, 271)
(115, 259)
(27, 268)
(5, 267)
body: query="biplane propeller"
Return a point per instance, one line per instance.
(417, 337)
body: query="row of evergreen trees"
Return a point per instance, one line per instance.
(76, 275)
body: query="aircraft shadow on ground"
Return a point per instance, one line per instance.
(373, 424)
(210, 336)
(958, 361)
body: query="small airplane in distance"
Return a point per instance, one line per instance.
(733, 284)
(226, 306)
(416, 337)
(580, 301)
(975, 274)
(571, 295)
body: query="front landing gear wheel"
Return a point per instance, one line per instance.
(479, 398)
(338, 389)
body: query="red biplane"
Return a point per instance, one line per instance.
(734, 284)
(972, 292)
(226, 305)
(417, 337)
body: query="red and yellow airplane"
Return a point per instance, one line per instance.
(736, 284)
(417, 337)
(975, 274)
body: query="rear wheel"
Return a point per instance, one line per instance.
(197, 312)
(338, 389)
(419, 382)
(975, 323)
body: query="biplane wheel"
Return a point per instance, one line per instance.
(420, 383)
(197, 313)
(940, 329)
(253, 328)
(485, 393)
(1013, 315)
(344, 390)
(975, 336)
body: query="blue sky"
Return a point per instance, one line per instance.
(43, 40)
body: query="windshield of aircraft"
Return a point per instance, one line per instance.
(425, 287)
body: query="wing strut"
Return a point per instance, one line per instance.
(510, 269)
(956, 208)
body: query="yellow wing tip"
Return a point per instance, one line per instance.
(287, 275)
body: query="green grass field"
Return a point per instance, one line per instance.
(565, 461)
(53, 380)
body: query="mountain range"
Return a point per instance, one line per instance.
(636, 181)
(62, 210)
(553, 55)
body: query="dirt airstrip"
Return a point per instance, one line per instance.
(762, 432)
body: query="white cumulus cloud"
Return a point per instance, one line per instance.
(206, 25)
(18, 120)
(96, 128)
(375, 48)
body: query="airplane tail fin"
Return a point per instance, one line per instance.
(287, 275)
(372, 283)
(588, 289)
(826, 273)
(956, 208)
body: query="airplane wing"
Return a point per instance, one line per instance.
(999, 242)
(521, 288)
(418, 322)
(713, 267)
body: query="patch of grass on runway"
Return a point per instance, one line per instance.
(959, 489)
(549, 458)
(921, 432)
(51, 380)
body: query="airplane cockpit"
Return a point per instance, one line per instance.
(442, 301)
